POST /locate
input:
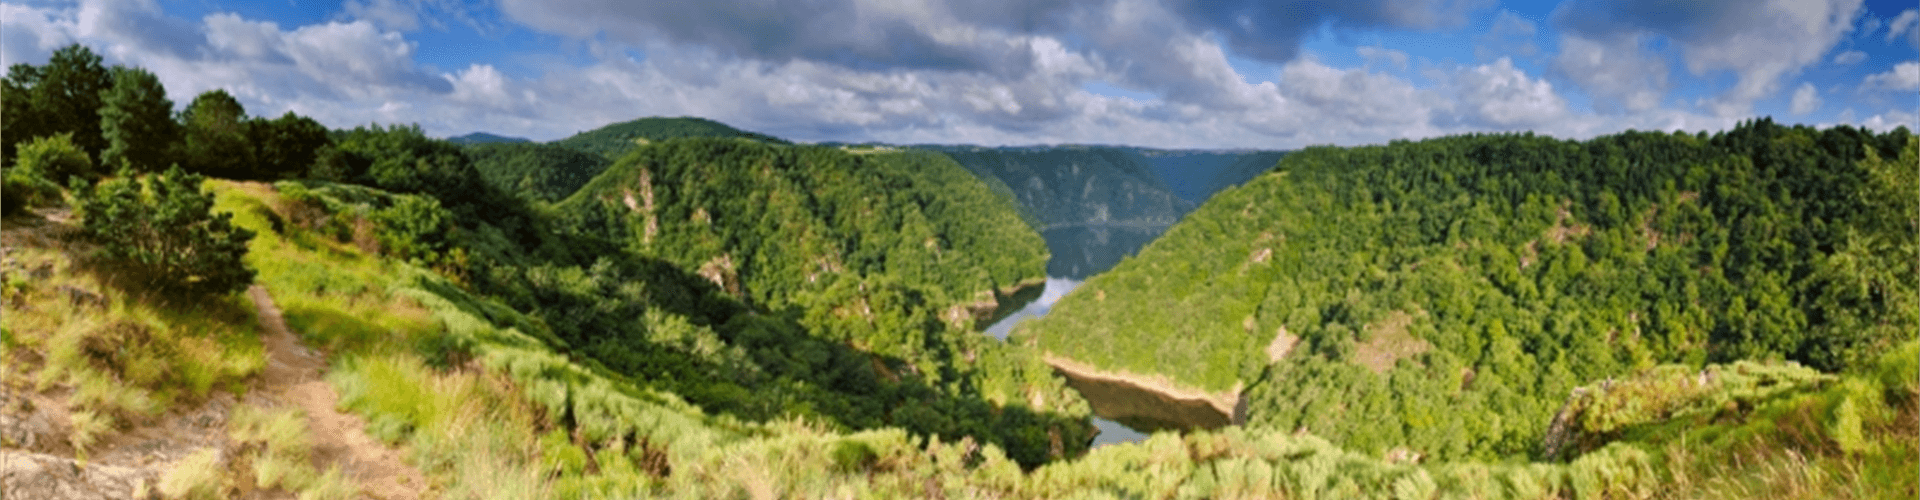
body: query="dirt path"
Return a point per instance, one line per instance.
(293, 375)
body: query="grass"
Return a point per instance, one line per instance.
(122, 357)
(196, 477)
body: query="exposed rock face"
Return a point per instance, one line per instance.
(30, 476)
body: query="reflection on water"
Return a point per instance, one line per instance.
(1112, 432)
(1051, 293)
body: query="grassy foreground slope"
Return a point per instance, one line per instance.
(1442, 296)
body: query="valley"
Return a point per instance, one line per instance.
(676, 308)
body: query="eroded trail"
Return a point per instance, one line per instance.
(293, 376)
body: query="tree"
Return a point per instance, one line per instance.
(136, 119)
(66, 94)
(167, 233)
(18, 121)
(216, 136)
(286, 146)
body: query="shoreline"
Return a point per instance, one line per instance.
(1125, 396)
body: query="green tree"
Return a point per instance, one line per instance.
(286, 146)
(56, 158)
(17, 117)
(67, 95)
(216, 136)
(167, 233)
(136, 118)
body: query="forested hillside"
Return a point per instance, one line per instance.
(614, 140)
(1445, 295)
(542, 172)
(773, 223)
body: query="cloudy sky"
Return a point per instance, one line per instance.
(1167, 73)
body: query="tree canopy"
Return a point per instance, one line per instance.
(1460, 286)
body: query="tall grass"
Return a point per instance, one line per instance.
(124, 357)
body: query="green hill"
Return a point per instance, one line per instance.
(486, 138)
(614, 140)
(773, 222)
(1444, 295)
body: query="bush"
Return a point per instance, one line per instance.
(25, 187)
(56, 158)
(168, 234)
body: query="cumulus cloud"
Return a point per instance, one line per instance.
(1759, 42)
(339, 72)
(1501, 96)
(990, 72)
(1616, 71)
(1805, 100)
(1272, 30)
(1903, 76)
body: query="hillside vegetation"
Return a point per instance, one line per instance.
(1444, 295)
(1637, 316)
(615, 140)
(536, 172)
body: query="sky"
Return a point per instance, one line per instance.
(1278, 74)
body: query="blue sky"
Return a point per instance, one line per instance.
(1166, 73)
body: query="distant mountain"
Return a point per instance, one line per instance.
(1194, 175)
(485, 138)
(615, 140)
(1077, 185)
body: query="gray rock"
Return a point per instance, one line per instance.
(36, 476)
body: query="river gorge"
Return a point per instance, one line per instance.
(1126, 407)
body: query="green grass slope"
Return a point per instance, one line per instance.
(1443, 295)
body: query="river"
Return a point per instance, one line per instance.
(1079, 252)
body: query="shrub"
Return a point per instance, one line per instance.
(56, 157)
(169, 235)
(25, 187)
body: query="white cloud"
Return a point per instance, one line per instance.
(1616, 71)
(1501, 96)
(29, 34)
(1906, 24)
(1759, 42)
(1805, 100)
(1903, 76)
(1849, 57)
